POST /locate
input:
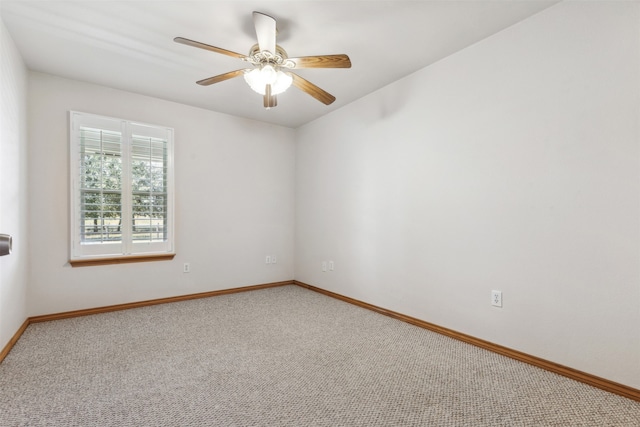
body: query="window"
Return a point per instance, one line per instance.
(121, 187)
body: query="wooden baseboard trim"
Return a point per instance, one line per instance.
(565, 371)
(14, 339)
(574, 374)
(118, 307)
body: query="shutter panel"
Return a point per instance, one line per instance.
(151, 188)
(100, 186)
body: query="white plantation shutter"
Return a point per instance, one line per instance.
(121, 187)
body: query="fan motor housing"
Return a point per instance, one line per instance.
(268, 57)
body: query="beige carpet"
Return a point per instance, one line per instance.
(284, 356)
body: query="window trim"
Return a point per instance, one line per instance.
(126, 250)
(86, 262)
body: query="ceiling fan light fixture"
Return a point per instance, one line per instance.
(268, 60)
(259, 78)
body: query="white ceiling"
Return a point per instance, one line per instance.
(129, 45)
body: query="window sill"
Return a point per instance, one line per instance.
(120, 260)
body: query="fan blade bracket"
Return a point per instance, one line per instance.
(287, 63)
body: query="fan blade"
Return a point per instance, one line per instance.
(265, 31)
(221, 77)
(270, 100)
(322, 61)
(313, 90)
(188, 42)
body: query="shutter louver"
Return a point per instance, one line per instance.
(100, 185)
(149, 188)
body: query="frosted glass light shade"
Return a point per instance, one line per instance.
(259, 78)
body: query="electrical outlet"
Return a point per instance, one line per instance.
(496, 298)
(186, 268)
(324, 265)
(274, 259)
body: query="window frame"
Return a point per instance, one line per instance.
(128, 249)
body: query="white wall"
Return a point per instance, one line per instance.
(234, 201)
(511, 165)
(13, 187)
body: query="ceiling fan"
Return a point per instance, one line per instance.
(271, 73)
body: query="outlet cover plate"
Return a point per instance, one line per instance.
(496, 298)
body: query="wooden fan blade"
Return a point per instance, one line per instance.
(188, 42)
(313, 90)
(270, 100)
(322, 61)
(221, 77)
(265, 31)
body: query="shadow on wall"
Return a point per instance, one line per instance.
(393, 100)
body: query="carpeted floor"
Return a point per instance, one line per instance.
(283, 356)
